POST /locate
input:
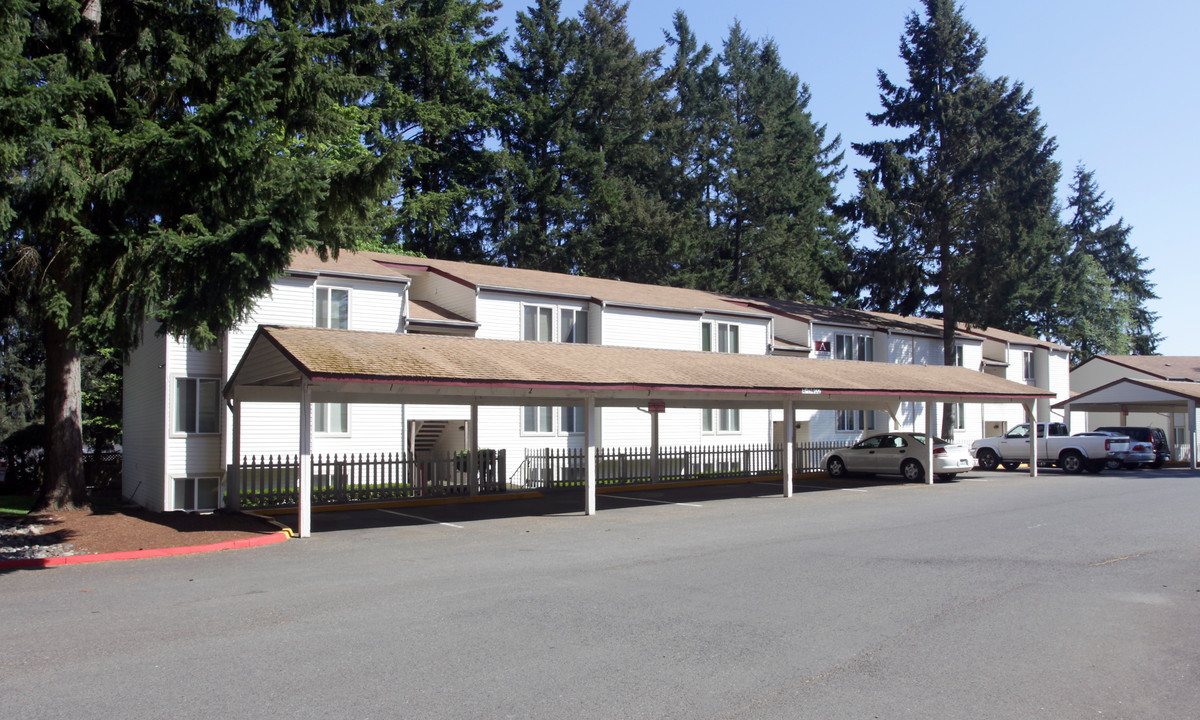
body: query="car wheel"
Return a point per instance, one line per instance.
(988, 459)
(1157, 464)
(1010, 465)
(1071, 462)
(911, 470)
(1113, 464)
(835, 467)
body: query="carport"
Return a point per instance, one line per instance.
(304, 365)
(1152, 396)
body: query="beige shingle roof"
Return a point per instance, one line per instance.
(346, 263)
(599, 289)
(1184, 367)
(342, 355)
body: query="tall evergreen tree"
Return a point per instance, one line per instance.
(777, 181)
(1125, 270)
(440, 56)
(536, 208)
(161, 161)
(963, 205)
(625, 229)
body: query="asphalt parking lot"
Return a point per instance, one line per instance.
(994, 596)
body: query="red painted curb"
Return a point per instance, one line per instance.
(275, 537)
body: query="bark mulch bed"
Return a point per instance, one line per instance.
(79, 532)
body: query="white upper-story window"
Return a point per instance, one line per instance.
(332, 308)
(958, 356)
(1027, 365)
(548, 323)
(854, 347)
(540, 323)
(197, 405)
(719, 337)
(332, 311)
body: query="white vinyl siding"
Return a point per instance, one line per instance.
(145, 423)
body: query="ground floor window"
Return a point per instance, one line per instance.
(331, 418)
(722, 421)
(959, 416)
(197, 493)
(855, 420)
(537, 419)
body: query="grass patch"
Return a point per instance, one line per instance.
(15, 504)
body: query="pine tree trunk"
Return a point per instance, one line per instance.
(63, 486)
(949, 328)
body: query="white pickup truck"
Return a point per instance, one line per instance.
(1072, 453)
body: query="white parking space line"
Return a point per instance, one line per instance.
(418, 517)
(822, 487)
(963, 479)
(650, 500)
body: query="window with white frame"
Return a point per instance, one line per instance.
(537, 323)
(572, 325)
(571, 419)
(958, 356)
(728, 420)
(959, 416)
(1027, 365)
(331, 418)
(854, 420)
(201, 493)
(719, 337)
(854, 347)
(540, 420)
(537, 420)
(197, 405)
(332, 308)
(541, 323)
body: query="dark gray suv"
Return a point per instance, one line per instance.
(1149, 442)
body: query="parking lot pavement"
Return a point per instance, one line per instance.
(1059, 596)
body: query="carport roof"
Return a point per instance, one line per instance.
(389, 367)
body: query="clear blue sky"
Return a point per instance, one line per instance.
(1118, 84)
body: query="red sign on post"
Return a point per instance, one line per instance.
(657, 406)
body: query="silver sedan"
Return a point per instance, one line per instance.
(898, 453)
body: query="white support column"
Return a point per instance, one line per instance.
(233, 480)
(930, 423)
(789, 445)
(1192, 430)
(305, 510)
(655, 466)
(1031, 418)
(589, 431)
(473, 451)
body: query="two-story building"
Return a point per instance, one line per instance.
(178, 440)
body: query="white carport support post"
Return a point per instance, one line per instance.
(1192, 430)
(930, 406)
(233, 481)
(789, 445)
(305, 510)
(655, 468)
(473, 451)
(589, 431)
(1031, 418)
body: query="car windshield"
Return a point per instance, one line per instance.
(920, 437)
